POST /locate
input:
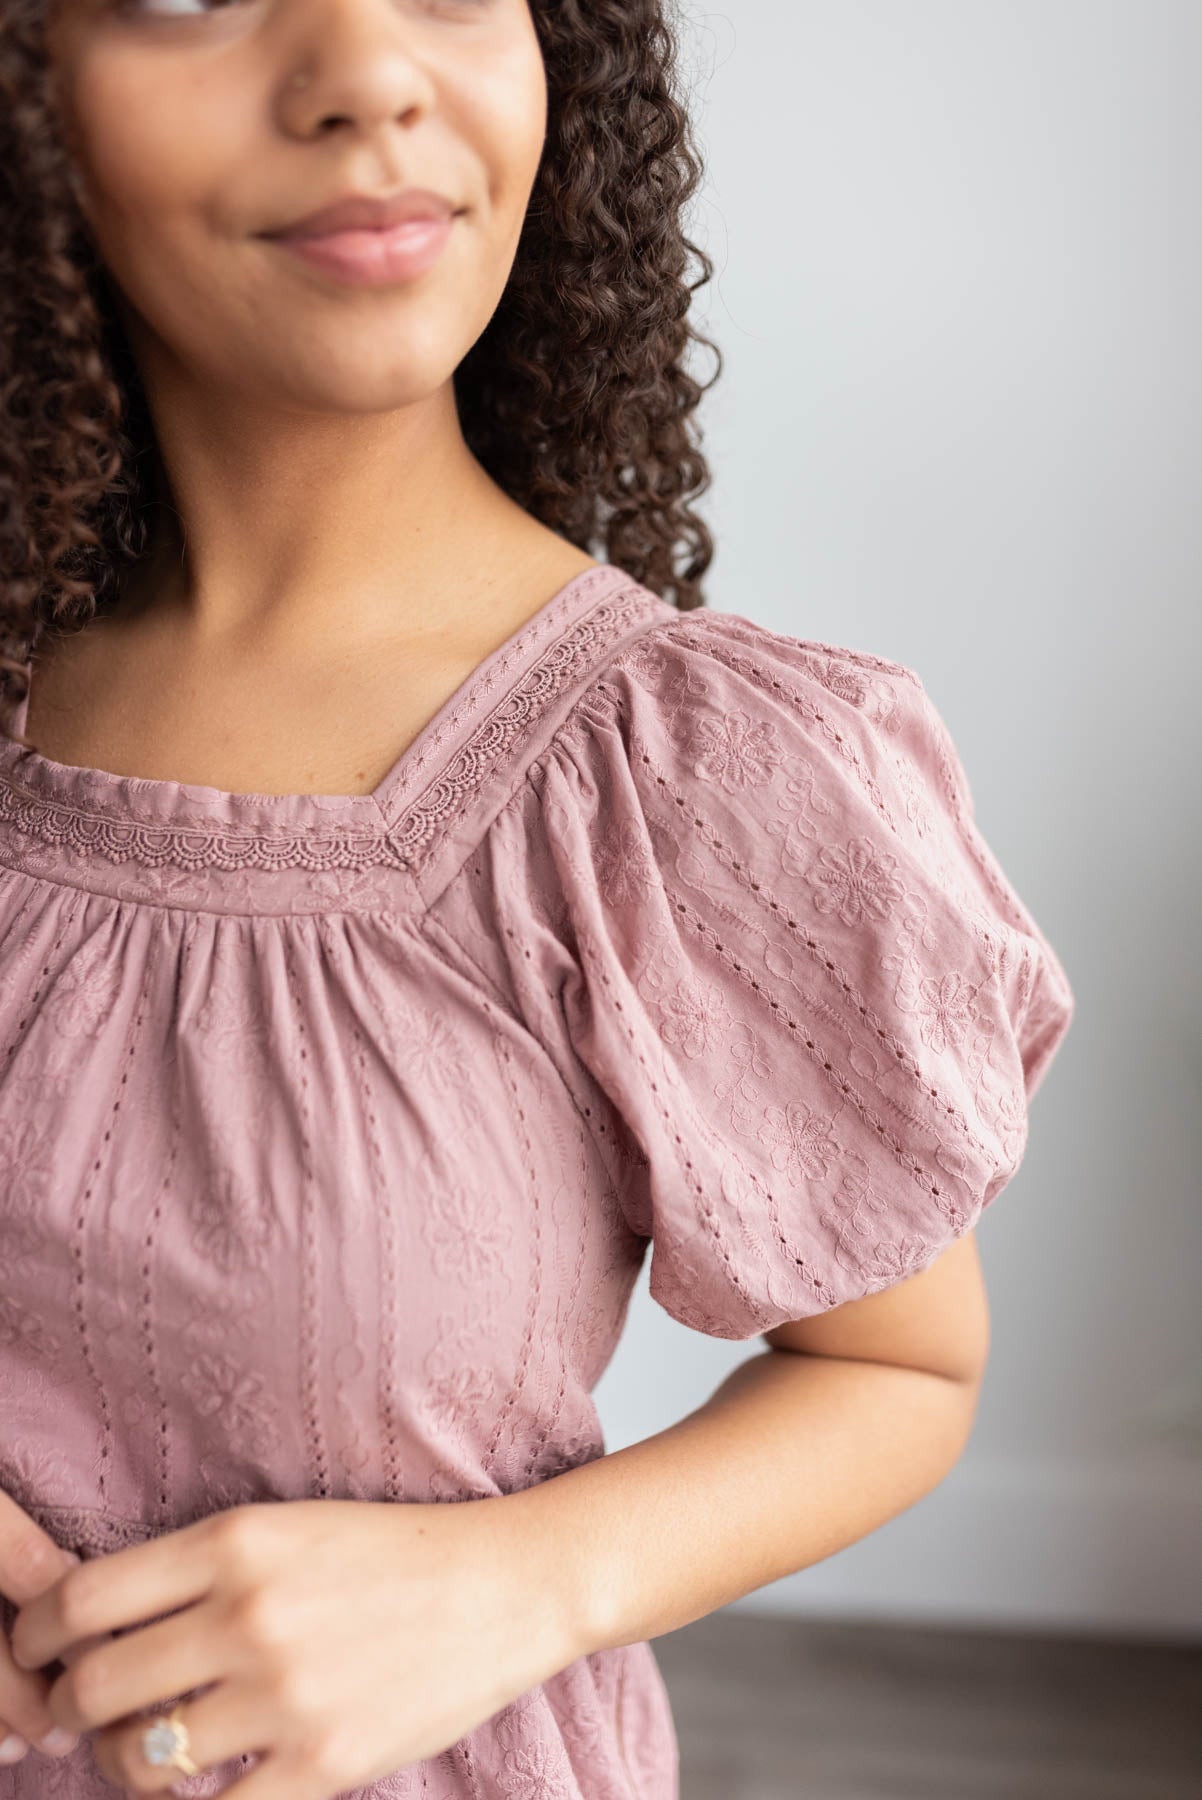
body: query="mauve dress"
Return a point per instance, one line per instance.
(334, 1129)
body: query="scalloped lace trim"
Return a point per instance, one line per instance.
(402, 844)
(190, 847)
(89, 1530)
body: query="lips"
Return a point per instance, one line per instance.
(369, 212)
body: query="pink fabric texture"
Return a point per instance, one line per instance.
(334, 1129)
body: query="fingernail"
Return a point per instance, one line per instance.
(12, 1748)
(58, 1741)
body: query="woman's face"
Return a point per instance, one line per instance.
(197, 127)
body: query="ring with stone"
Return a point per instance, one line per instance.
(165, 1743)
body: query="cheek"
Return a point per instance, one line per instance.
(150, 153)
(503, 115)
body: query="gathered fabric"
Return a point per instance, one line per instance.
(336, 1130)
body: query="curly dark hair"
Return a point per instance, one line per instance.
(575, 398)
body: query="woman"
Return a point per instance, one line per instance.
(406, 917)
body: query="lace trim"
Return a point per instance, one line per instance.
(403, 844)
(189, 847)
(91, 1532)
(581, 647)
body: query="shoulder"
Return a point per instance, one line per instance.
(700, 662)
(672, 641)
(745, 892)
(731, 718)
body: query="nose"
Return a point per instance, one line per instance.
(355, 65)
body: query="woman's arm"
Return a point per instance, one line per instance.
(797, 1454)
(459, 1609)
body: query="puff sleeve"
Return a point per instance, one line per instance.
(805, 992)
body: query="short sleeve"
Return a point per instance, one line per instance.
(765, 925)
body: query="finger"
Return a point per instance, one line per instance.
(222, 1725)
(30, 1563)
(121, 1589)
(284, 1778)
(123, 1674)
(12, 1745)
(56, 1742)
(275, 1779)
(30, 1560)
(25, 1711)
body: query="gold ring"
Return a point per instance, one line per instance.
(165, 1743)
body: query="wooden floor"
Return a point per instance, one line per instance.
(772, 1709)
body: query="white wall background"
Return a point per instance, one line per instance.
(959, 292)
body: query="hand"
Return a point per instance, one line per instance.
(345, 1638)
(30, 1564)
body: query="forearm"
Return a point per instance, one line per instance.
(791, 1459)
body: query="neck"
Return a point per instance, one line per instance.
(278, 528)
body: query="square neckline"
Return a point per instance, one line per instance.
(155, 799)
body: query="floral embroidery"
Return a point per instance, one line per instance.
(736, 751)
(423, 1046)
(799, 1138)
(25, 1161)
(948, 1009)
(335, 1138)
(231, 1228)
(694, 1016)
(858, 881)
(219, 1386)
(874, 1261)
(839, 677)
(456, 1391)
(81, 999)
(625, 867)
(22, 1330)
(467, 1235)
(534, 1765)
(229, 1020)
(29, 1472)
(917, 807)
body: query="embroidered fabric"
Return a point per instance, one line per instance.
(189, 838)
(809, 998)
(335, 1129)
